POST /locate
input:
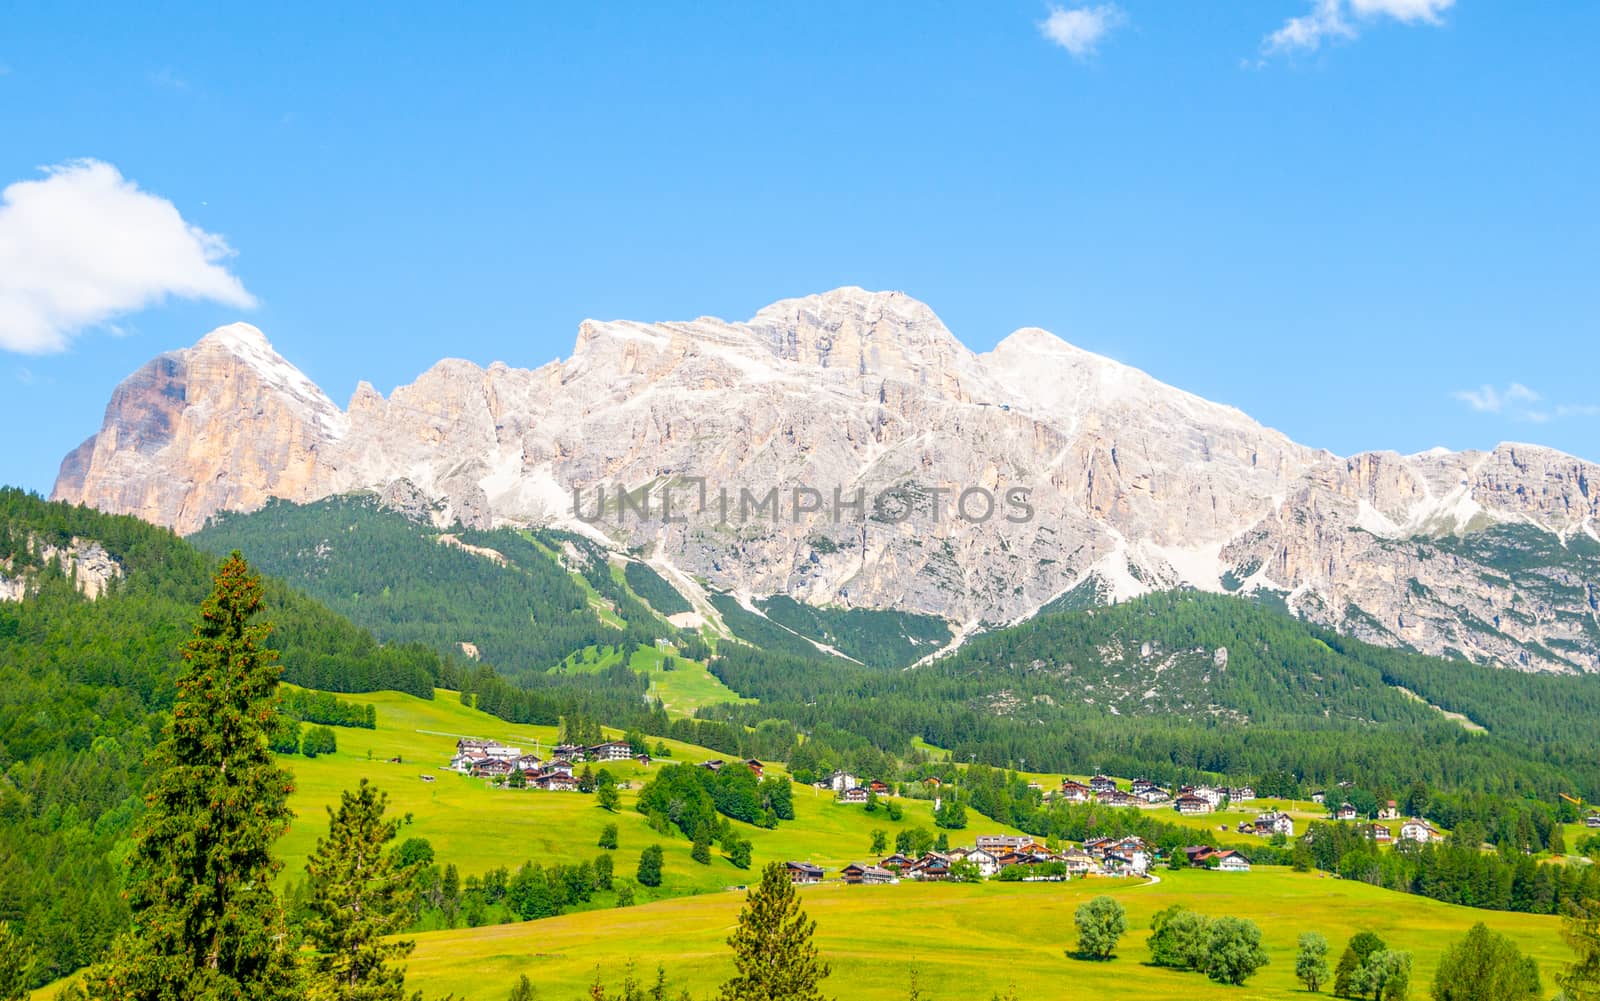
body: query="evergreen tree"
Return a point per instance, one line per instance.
(206, 923)
(701, 852)
(1100, 922)
(773, 952)
(741, 854)
(16, 965)
(1485, 966)
(1580, 981)
(359, 894)
(649, 872)
(1311, 961)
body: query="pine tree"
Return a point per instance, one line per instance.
(359, 894)
(206, 923)
(772, 947)
(16, 965)
(1580, 981)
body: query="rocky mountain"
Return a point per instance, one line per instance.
(985, 486)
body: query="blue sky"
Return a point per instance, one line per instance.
(1368, 223)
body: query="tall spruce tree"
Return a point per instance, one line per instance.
(16, 965)
(359, 893)
(206, 923)
(772, 946)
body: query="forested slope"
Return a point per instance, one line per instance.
(1179, 683)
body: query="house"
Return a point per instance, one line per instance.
(1079, 863)
(1389, 811)
(1141, 786)
(839, 781)
(1003, 842)
(643, 759)
(554, 782)
(1117, 797)
(1117, 865)
(1319, 797)
(803, 872)
(567, 752)
(1197, 854)
(1380, 833)
(1207, 793)
(1155, 794)
(1074, 792)
(1190, 804)
(559, 767)
(881, 788)
(1102, 783)
(714, 765)
(616, 750)
(1275, 823)
(856, 873)
(1345, 812)
(491, 767)
(1592, 820)
(854, 796)
(1241, 794)
(1131, 846)
(1098, 846)
(987, 862)
(897, 862)
(1419, 830)
(755, 766)
(933, 867)
(1231, 861)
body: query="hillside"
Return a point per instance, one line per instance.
(967, 941)
(1177, 683)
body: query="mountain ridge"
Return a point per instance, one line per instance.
(1134, 485)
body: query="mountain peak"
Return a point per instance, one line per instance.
(237, 337)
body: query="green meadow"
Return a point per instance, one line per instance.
(479, 827)
(682, 690)
(967, 940)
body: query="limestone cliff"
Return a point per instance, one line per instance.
(1127, 484)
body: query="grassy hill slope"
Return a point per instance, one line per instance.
(968, 940)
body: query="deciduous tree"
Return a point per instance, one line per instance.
(1100, 922)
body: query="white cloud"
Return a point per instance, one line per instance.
(1516, 401)
(1488, 400)
(1080, 29)
(83, 245)
(1408, 11)
(1335, 20)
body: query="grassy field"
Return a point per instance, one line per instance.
(479, 827)
(967, 941)
(681, 690)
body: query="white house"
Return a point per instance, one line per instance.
(1420, 831)
(1232, 862)
(840, 781)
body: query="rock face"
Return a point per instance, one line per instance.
(84, 561)
(1030, 472)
